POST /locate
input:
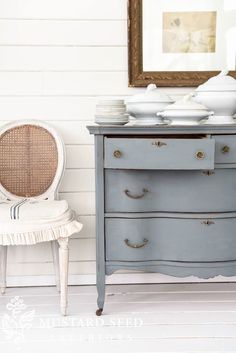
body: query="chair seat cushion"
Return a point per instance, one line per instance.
(27, 209)
(30, 221)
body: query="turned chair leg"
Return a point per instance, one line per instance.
(3, 268)
(64, 262)
(55, 256)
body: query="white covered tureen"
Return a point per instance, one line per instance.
(143, 107)
(219, 94)
(185, 112)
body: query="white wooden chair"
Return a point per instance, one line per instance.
(32, 161)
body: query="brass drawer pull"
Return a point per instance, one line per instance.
(117, 154)
(207, 222)
(225, 149)
(136, 246)
(200, 155)
(159, 143)
(136, 197)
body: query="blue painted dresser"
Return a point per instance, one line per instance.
(165, 200)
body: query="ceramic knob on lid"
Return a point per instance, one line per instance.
(219, 95)
(151, 94)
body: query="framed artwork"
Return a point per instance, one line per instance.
(180, 42)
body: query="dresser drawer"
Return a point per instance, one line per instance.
(163, 153)
(225, 149)
(173, 191)
(172, 239)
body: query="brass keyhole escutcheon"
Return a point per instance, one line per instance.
(208, 172)
(200, 155)
(225, 149)
(159, 143)
(208, 222)
(117, 154)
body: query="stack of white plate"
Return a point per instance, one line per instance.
(111, 112)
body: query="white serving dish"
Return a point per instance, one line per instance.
(110, 123)
(112, 117)
(110, 110)
(185, 112)
(219, 94)
(112, 120)
(143, 107)
(115, 102)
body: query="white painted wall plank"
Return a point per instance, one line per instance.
(63, 83)
(88, 230)
(61, 9)
(47, 108)
(77, 180)
(44, 269)
(32, 58)
(63, 32)
(80, 156)
(74, 132)
(83, 203)
(69, 84)
(80, 250)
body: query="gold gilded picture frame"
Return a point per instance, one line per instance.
(140, 78)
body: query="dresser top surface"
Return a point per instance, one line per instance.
(162, 129)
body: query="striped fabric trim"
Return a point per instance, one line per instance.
(15, 209)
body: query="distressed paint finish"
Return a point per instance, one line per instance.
(133, 153)
(142, 223)
(100, 230)
(161, 190)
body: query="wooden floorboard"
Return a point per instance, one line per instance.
(171, 318)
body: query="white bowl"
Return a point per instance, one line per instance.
(223, 103)
(219, 94)
(102, 121)
(116, 102)
(110, 123)
(146, 111)
(112, 117)
(185, 117)
(110, 109)
(144, 106)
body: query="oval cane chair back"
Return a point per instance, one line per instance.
(31, 160)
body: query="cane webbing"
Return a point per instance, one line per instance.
(28, 160)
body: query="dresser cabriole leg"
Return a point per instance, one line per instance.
(100, 220)
(101, 288)
(99, 312)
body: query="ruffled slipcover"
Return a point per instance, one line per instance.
(28, 221)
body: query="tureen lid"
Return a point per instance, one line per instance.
(221, 82)
(186, 103)
(152, 94)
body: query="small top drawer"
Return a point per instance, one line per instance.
(159, 153)
(225, 148)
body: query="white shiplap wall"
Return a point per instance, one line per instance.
(56, 58)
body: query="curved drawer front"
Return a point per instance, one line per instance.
(149, 153)
(225, 149)
(170, 191)
(195, 240)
